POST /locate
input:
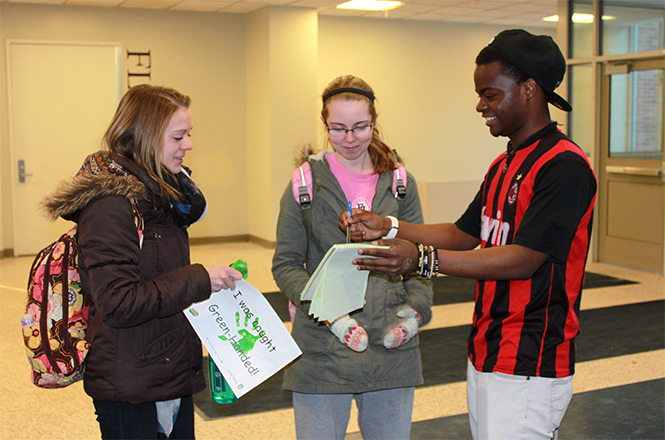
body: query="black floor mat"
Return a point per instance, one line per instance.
(606, 332)
(451, 290)
(634, 411)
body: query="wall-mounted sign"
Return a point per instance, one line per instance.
(140, 70)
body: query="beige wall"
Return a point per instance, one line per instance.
(421, 73)
(202, 55)
(282, 71)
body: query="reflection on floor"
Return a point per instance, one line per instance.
(619, 384)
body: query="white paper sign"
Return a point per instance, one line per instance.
(243, 335)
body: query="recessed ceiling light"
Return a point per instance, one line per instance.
(370, 5)
(579, 18)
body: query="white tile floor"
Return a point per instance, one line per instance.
(27, 412)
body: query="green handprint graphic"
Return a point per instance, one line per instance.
(245, 343)
(248, 340)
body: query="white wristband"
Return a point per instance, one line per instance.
(393, 229)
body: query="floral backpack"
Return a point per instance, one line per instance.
(56, 329)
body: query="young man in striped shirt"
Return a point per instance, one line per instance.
(532, 219)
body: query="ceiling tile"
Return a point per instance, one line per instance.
(414, 7)
(464, 19)
(94, 2)
(522, 12)
(516, 23)
(436, 2)
(202, 5)
(48, 2)
(277, 2)
(150, 4)
(244, 7)
(482, 4)
(393, 13)
(459, 10)
(426, 17)
(319, 4)
(343, 12)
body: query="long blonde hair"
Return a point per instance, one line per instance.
(383, 158)
(137, 129)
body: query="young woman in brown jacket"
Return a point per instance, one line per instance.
(145, 362)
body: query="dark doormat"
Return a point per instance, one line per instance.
(632, 411)
(266, 397)
(443, 350)
(450, 290)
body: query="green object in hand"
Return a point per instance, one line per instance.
(220, 389)
(241, 267)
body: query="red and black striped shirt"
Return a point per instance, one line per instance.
(540, 197)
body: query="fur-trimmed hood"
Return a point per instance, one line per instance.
(71, 196)
(305, 151)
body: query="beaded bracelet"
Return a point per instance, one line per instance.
(428, 261)
(422, 260)
(421, 257)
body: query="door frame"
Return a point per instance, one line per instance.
(13, 154)
(645, 171)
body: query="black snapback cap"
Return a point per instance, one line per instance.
(536, 55)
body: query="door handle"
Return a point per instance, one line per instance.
(21, 171)
(634, 171)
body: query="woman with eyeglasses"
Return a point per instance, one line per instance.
(371, 355)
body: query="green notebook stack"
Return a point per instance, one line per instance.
(337, 287)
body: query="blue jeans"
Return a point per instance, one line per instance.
(383, 414)
(120, 420)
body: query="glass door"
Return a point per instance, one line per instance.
(631, 189)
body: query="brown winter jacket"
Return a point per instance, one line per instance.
(145, 349)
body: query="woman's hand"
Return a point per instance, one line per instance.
(222, 277)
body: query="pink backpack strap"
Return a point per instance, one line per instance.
(301, 183)
(399, 182)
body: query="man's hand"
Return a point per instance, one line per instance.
(400, 259)
(364, 225)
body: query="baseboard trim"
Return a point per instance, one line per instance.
(9, 253)
(232, 239)
(219, 240)
(265, 243)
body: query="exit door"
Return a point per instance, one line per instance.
(62, 97)
(631, 191)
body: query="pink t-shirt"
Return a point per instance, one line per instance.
(359, 188)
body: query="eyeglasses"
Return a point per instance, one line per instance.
(358, 130)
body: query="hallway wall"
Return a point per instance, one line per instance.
(420, 71)
(199, 54)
